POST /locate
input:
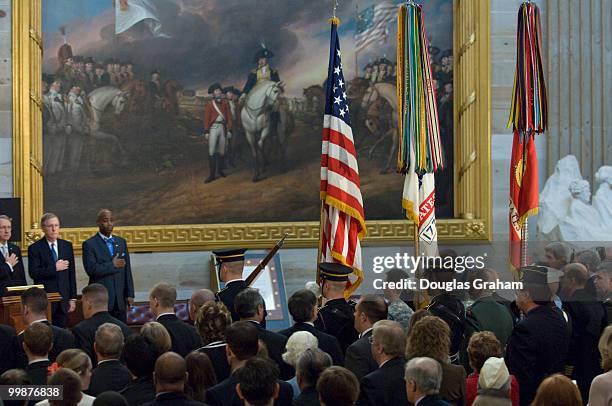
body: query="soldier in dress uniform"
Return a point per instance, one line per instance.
(337, 316)
(230, 264)
(217, 129)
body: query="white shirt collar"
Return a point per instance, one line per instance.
(163, 314)
(419, 400)
(4, 245)
(39, 321)
(38, 360)
(364, 332)
(233, 280)
(49, 243)
(105, 237)
(309, 322)
(106, 360)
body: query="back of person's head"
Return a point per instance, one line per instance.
(258, 381)
(71, 387)
(36, 300)
(482, 346)
(589, 258)
(429, 337)
(200, 375)
(170, 372)
(311, 364)
(301, 305)
(416, 316)
(557, 390)
(494, 375)
(373, 307)
(390, 336)
(158, 335)
(76, 360)
(38, 337)
(425, 374)
(484, 275)
(200, 297)
(242, 340)
(605, 349)
(96, 294)
(109, 340)
(165, 294)
(110, 398)
(576, 271)
(297, 343)
(211, 321)
(396, 275)
(337, 386)
(248, 302)
(14, 377)
(140, 354)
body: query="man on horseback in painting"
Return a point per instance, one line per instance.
(217, 128)
(262, 72)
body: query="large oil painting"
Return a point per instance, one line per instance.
(129, 121)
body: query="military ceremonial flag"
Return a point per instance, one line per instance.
(342, 217)
(130, 12)
(372, 24)
(528, 116)
(420, 149)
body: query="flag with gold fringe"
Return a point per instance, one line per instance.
(528, 116)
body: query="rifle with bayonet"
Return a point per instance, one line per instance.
(253, 275)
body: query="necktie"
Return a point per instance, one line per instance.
(110, 243)
(53, 252)
(5, 251)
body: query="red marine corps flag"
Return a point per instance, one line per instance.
(528, 116)
(342, 218)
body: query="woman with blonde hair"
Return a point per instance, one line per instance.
(600, 393)
(297, 344)
(211, 321)
(79, 362)
(557, 390)
(430, 337)
(158, 335)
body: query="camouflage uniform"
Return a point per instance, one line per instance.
(399, 311)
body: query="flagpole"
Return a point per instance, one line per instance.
(320, 247)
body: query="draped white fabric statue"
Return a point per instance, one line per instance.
(602, 201)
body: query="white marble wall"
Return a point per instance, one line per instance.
(6, 149)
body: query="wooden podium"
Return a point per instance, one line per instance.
(10, 308)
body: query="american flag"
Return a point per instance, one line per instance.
(372, 24)
(343, 224)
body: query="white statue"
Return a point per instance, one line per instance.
(602, 201)
(582, 222)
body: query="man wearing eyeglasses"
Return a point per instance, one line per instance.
(11, 265)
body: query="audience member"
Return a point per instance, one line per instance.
(258, 382)
(482, 346)
(310, 365)
(600, 393)
(303, 309)
(110, 374)
(359, 359)
(110, 398)
(95, 312)
(337, 386)
(299, 342)
(71, 384)
(557, 390)
(158, 335)
(591, 260)
(385, 386)
(140, 355)
(418, 315)
(200, 375)
(539, 343)
(494, 384)
(588, 321)
(185, 338)
(37, 342)
(14, 377)
(78, 361)
(242, 345)
(198, 299)
(170, 376)
(556, 255)
(7, 350)
(423, 377)
(603, 287)
(212, 319)
(34, 305)
(398, 309)
(249, 306)
(430, 337)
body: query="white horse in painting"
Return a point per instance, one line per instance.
(255, 115)
(99, 100)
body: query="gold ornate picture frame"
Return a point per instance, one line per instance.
(472, 144)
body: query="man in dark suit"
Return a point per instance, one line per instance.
(170, 376)
(37, 342)
(242, 345)
(539, 343)
(51, 263)
(7, 353)
(11, 265)
(303, 308)
(368, 311)
(34, 305)
(423, 377)
(336, 317)
(258, 382)
(111, 374)
(107, 261)
(95, 312)
(140, 355)
(385, 386)
(230, 263)
(309, 367)
(185, 337)
(249, 305)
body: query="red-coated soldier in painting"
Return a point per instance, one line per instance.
(217, 130)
